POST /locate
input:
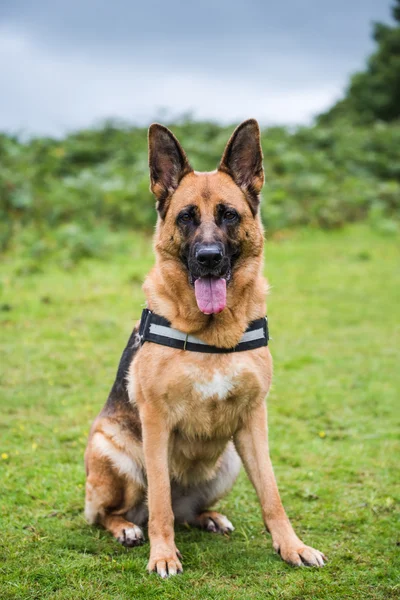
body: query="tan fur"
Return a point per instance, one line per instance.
(188, 405)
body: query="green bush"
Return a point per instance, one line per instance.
(68, 190)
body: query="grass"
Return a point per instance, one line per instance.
(334, 428)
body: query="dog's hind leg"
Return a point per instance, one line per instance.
(114, 486)
(213, 521)
(192, 504)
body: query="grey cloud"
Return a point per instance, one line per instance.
(316, 25)
(65, 64)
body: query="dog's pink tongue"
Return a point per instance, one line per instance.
(210, 294)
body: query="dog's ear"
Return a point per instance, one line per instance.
(168, 165)
(243, 161)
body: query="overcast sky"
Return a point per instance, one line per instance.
(66, 64)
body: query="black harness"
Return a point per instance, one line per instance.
(158, 330)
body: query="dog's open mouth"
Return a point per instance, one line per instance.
(210, 291)
(210, 294)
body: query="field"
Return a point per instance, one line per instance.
(334, 427)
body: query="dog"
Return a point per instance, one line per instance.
(188, 403)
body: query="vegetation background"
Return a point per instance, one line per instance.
(75, 219)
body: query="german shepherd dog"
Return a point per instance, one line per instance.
(177, 424)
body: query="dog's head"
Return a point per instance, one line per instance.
(208, 222)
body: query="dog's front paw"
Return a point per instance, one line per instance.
(164, 561)
(295, 553)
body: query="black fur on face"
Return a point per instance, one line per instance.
(210, 247)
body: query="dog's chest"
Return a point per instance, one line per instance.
(210, 395)
(202, 394)
(219, 384)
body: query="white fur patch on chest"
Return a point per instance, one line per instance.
(219, 386)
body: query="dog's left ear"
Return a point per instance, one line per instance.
(168, 165)
(242, 160)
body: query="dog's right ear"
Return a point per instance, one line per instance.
(168, 165)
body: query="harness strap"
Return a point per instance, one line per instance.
(157, 329)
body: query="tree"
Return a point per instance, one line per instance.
(374, 94)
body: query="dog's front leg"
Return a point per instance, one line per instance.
(251, 442)
(163, 552)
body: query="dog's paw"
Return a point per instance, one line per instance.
(214, 522)
(131, 536)
(299, 555)
(164, 563)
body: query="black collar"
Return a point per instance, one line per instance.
(154, 328)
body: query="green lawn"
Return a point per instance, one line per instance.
(334, 428)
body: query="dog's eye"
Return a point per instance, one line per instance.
(230, 215)
(185, 217)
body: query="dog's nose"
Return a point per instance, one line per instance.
(209, 256)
